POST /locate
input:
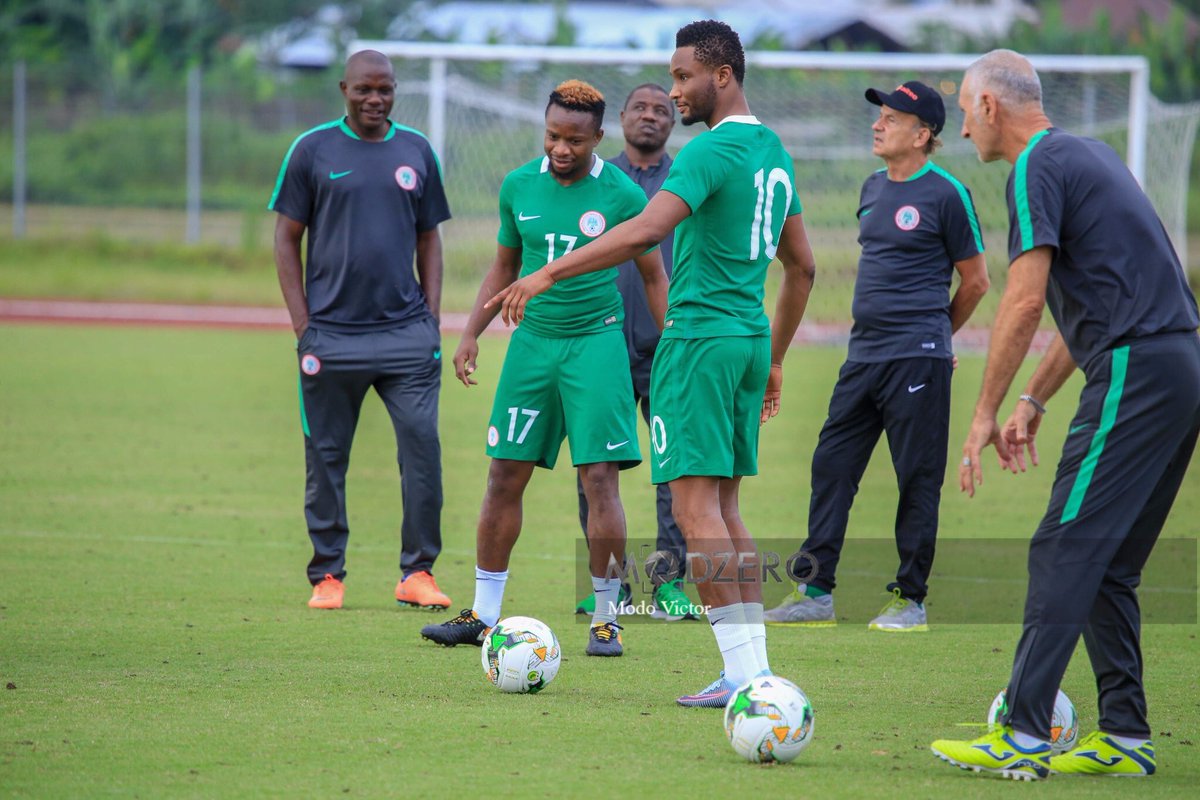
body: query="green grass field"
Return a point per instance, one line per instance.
(155, 641)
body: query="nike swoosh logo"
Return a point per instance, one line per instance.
(1077, 428)
(611, 446)
(864, 213)
(663, 463)
(916, 388)
(333, 176)
(524, 218)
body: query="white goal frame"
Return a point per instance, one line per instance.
(439, 54)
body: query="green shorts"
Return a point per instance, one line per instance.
(577, 388)
(705, 403)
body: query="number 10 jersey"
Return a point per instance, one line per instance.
(739, 182)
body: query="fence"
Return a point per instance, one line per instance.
(482, 106)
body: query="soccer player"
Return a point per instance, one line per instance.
(369, 192)
(917, 226)
(566, 374)
(1084, 237)
(718, 372)
(646, 122)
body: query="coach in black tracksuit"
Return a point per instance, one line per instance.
(369, 193)
(1085, 239)
(917, 226)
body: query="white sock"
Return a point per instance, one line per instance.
(758, 635)
(607, 593)
(733, 640)
(1129, 742)
(1026, 741)
(489, 595)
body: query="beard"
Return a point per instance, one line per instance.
(701, 107)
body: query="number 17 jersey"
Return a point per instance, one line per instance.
(739, 183)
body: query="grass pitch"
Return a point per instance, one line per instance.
(155, 642)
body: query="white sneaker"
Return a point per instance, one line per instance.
(800, 609)
(901, 615)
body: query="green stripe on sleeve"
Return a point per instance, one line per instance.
(967, 204)
(288, 157)
(1108, 418)
(1021, 193)
(303, 413)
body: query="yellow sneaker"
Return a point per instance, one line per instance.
(420, 589)
(328, 593)
(996, 754)
(1099, 754)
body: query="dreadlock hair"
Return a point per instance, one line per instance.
(575, 95)
(716, 45)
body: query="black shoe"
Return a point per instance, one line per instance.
(605, 640)
(466, 628)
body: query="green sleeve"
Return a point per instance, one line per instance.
(508, 235)
(697, 172)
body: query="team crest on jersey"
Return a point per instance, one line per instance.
(406, 177)
(493, 436)
(310, 364)
(592, 223)
(907, 218)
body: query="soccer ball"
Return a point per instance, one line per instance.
(769, 720)
(1064, 722)
(520, 655)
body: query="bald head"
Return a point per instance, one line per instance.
(1008, 76)
(369, 87)
(365, 60)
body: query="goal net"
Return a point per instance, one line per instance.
(483, 108)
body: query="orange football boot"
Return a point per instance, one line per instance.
(420, 589)
(328, 593)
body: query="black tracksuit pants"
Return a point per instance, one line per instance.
(909, 399)
(337, 370)
(1126, 453)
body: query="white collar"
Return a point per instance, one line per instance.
(744, 119)
(597, 165)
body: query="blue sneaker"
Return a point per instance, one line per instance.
(716, 695)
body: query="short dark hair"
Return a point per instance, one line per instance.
(576, 95)
(716, 44)
(638, 88)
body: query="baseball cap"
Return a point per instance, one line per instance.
(913, 97)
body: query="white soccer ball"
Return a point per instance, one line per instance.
(520, 655)
(769, 719)
(1064, 722)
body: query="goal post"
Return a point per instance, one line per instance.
(482, 107)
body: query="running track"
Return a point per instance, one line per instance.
(276, 318)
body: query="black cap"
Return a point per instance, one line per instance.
(913, 97)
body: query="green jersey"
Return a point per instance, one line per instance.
(739, 183)
(547, 220)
